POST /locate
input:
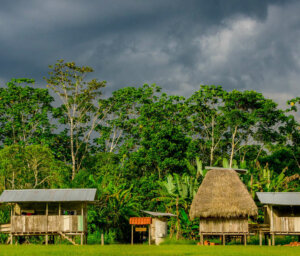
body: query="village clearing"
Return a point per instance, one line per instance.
(66, 250)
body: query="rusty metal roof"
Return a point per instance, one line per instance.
(48, 195)
(140, 220)
(279, 198)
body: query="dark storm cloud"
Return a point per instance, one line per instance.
(177, 44)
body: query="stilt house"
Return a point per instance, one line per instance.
(223, 204)
(48, 212)
(282, 212)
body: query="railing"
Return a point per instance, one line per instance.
(50, 224)
(259, 228)
(4, 228)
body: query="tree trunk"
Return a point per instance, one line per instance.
(159, 172)
(72, 150)
(212, 143)
(13, 181)
(232, 147)
(178, 222)
(211, 156)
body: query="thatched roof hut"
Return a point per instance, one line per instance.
(222, 195)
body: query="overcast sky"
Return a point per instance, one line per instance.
(239, 44)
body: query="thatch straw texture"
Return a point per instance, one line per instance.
(222, 194)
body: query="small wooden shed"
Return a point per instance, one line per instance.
(47, 212)
(223, 204)
(159, 226)
(156, 226)
(281, 212)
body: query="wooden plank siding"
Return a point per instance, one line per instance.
(282, 222)
(222, 225)
(52, 224)
(286, 224)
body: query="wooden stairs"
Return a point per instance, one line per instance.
(8, 240)
(67, 238)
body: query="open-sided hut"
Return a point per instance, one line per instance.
(282, 212)
(48, 212)
(223, 204)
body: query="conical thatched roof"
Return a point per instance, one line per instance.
(222, 194)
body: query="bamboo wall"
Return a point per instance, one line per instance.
(222, 225)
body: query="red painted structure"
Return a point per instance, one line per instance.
(140, 220)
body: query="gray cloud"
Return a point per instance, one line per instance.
(250, 44)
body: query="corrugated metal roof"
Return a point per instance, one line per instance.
(48, 195)
(279, 198)
(157, 214)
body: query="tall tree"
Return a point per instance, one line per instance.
(207, 122)
(251, 119)
(24, 113)
(163, 142)
(82, 109)
(32, 166)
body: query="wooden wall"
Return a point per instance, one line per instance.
(214, 225)
(52, 224)
(49, 217)
(283, 219)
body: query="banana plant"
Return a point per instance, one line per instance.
(227, 165)
(197, 170)
(263, 179)
(176, 193)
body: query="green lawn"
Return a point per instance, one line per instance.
(31, 250)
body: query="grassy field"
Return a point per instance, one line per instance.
(32, 250)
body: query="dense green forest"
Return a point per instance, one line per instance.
(140, 147)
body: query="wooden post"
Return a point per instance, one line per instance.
(223, 238)
(266, 240)
(201, 239)
(245, 239)
(260, 238)
(149, 234)
(81, 236)
(59, 209)
(272, 225)
(85, 217)
(131, 234)
(46, 237)
(102, 239)
(11, 223)
(269, 240)
(271, 219)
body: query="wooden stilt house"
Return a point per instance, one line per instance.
(48, 212)
(223, 204)
(281, 212)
